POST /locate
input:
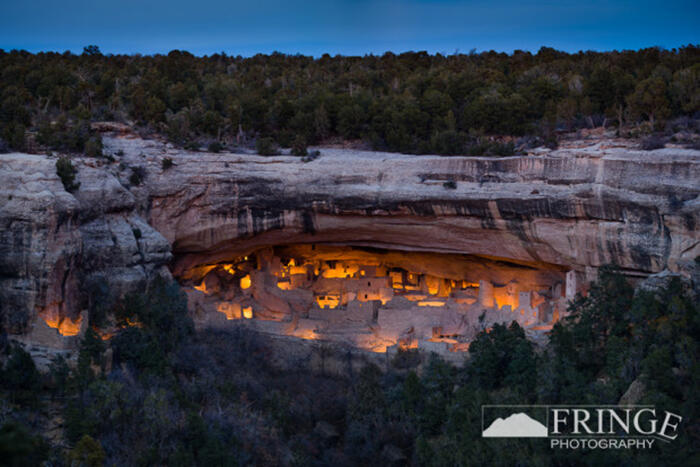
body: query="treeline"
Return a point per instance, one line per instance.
(174, 397)
(413, 102)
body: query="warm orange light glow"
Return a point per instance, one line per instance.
(360, 280)
(396, 280)
(460, 347)
(405, 344)
(503, 298)
(232, 310)
(447, 340)
(340, 271)
(105, 336)
(307, 334)
(133, 323)
(380, 348)
(66, 326)
(414, 297)
(297, 270)
(202, 287)
(431, 303)
(52, 321)
(199, 271)
(433, 284)
(375, 345)
(330, 301)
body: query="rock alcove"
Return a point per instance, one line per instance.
(512, 240)
(376, 299)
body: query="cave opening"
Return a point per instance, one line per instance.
(376, 299)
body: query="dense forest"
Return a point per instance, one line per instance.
(413, 102)
(175, 397)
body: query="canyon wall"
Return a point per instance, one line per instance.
(59, 251)
(576, 208)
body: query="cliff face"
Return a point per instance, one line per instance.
(57, 248)
(576, 208)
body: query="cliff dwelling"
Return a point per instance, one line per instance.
(377, 299)
(360, 249)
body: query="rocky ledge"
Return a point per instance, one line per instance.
(584, 205)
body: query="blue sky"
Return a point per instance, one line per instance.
(344, 27)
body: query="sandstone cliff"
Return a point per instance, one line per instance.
(576, 207)
(579, 207)
(57, 247)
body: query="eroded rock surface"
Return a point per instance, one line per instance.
(575, 209)
(582, 207)
(57, 247)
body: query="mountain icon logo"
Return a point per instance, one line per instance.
(517, 425)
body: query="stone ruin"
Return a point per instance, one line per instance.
(377, 300)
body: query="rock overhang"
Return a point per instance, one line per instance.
(571, 209)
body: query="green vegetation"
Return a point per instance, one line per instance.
(87, 452)
(215, 147)
(138, 174)
(167, 163)
(66, 172)
(173, 397)
(67, 133)
(266, 147)
(299, 147)
(413, 102)
(311, 156)
(93, 147)
(19, 448)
